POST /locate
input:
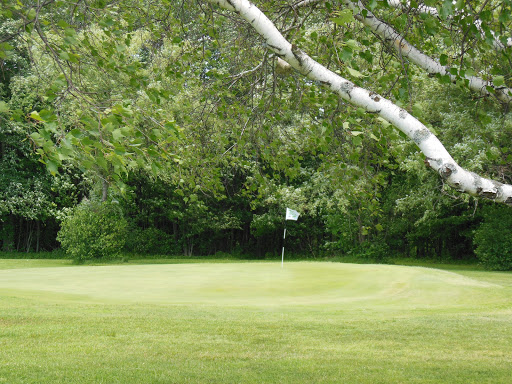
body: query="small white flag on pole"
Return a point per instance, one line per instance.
(291, 214)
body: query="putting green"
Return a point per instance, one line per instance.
(259, 284)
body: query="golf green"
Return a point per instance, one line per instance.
(261, 284)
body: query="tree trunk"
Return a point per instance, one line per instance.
(38, 235)
(20, 231)
(175, 230)
(29, 236)
(104, 190)
(8, 232)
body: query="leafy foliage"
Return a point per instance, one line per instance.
(93, 230)
(152, 241)
(183, 114)
(493, 239)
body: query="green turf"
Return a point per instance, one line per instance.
(252, 323)
(33, 263)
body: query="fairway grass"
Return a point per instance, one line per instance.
(252, 323)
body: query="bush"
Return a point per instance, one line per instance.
(493, 238)
(94, 230)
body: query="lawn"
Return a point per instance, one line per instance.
(309, 322)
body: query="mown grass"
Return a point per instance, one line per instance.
(33, 263)
(252, 323)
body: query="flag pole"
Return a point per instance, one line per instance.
(282, 253)
(290, 215)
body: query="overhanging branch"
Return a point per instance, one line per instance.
(385, 31)
(437, 157)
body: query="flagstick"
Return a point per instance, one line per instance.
(282, 253)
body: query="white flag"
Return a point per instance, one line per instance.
(291, 214)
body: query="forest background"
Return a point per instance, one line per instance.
(166, 128)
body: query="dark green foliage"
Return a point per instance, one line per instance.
(31, 200)
(94, 230)
(376, 251)
(493, 238)
(205, 160)
(151, 241)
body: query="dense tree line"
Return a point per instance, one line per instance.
(188, 123)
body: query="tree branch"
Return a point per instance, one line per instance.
(437, 157)
(503, 94)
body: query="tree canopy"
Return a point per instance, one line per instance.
(334, 107)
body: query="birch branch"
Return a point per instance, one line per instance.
(423, 61)
(437, 157)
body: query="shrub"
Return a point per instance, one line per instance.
(493, 238)
(94, 230)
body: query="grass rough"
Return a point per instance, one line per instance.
(252, 323)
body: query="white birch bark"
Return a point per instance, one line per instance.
(422, 8)
(437, 157)
(423, 61)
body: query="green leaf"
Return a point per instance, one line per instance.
(86, 141)
(446, 9)
(445, 79)
(6, 50)
(37, 138)
(344, 17)
(52, 166)
(354, 72)
(352, 44)
(76, 132)
(4, 107)
(64, 56)
(47, 115)
(498, 81)
(417, 110)
(70, 32)
(470, 72)
(117, 134)
(384, 122)
(35, 115)
(63, 24)
(357, 141)
(100, 160)
(31, 14)
(373, 4)
(120, 110)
